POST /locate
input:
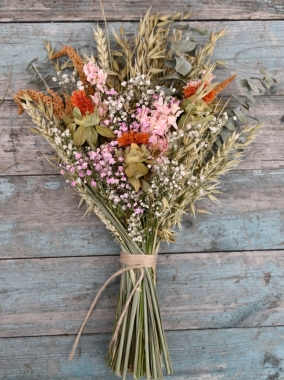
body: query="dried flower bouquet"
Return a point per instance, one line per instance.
(141, 134)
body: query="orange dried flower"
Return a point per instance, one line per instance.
(220, 87)
(191, 88)
(128, 138)
(80, 99)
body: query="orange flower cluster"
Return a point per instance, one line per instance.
(220, 87)
(59, 108)
(128, 138)
(192, 86)
(80, 99)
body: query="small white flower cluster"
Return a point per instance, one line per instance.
(135, 88)
(174, 138)
(63, 79)
(168, 181)
(64, 139)
(80, 85)
(135, 229)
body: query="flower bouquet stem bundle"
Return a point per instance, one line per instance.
(141, 134)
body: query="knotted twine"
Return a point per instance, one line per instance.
(131, 262)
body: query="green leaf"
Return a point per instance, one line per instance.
(266, 84)
(253, 86)
(251, 98)
(91, 136)
(201, 31)
(241, 101)
(267, 76)
(170, 63)
(130, 171)
(145, 185)
(105, 131)
(245, 84)
(79, 136)
(231, 124)
(183, 46)
(67, 119)
(80, 121)
(77, 113)
(93, 119)
(135, 183)
(72, 128)
(171, 77)
(181, 26)
(240, 115)
(141, 170)
(183, 67)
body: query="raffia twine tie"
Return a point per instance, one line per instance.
(131, 262)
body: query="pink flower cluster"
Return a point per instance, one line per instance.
(95, 75)
(158, 119)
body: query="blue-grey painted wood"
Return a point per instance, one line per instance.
(211, 291)
(19, 144)
(222, 354)
(195, 291)
(246, 46)
(132, 10)
(40, 218)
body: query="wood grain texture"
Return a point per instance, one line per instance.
(60, 10)
(246, 46)
(196, 291)
(19, 144)
(223, 354)
(39, 218)
(220, 285)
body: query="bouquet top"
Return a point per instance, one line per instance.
(141, 130)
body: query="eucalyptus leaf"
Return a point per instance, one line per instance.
(245, 84)
(77, 113)
(240, 115)
(266, 84)
(267, 76)
(183, 46)
(79, 136)
(201, 31)
(241, 101)
(105, 131)
(183, 67)
(231, 124)
(170, 77)
(181, 26)
(251, 98)
(170, 63)
(253, 86)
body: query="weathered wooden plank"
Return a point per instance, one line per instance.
(132, 10)
(224, 354)
(39, 218)
(246, 45)
(19, 144)
(196, 291)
